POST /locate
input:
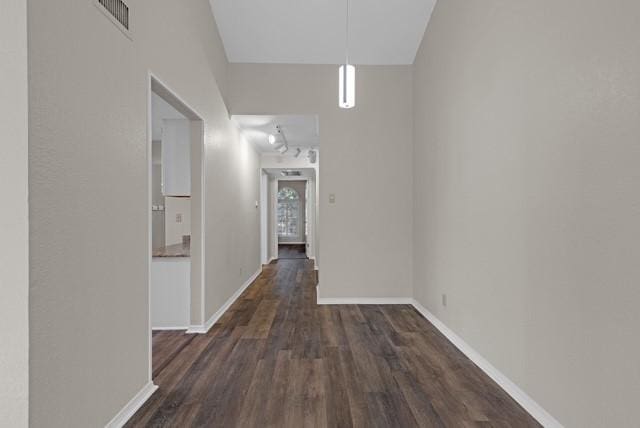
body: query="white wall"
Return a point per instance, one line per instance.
(170, 292)
(176, 157)
(264, 217)
(272, 217)
(14, 255)
(527, 201)
(88, 193)
(157, 199)
(365, 238)
(177, 219)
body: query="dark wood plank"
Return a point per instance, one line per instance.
(276, 358)
(292, 251)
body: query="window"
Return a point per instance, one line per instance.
(288, 212)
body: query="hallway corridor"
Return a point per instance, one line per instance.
(278, 359)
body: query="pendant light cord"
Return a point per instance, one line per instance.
(347, 45)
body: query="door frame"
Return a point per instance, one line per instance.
(198, 200)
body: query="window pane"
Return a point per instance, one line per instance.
(288, 209)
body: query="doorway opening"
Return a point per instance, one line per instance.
(176, 223)
(292, 214)
(289, 147)
(292, 220)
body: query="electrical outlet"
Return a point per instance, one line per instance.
(444, 300)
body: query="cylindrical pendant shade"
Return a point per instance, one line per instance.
(347, 86)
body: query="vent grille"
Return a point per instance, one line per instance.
(118, 9)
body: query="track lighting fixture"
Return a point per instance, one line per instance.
(279, 141)
(312, 156)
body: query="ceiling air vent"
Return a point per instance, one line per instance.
(117, 11)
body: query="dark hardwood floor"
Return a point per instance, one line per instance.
(277, 359)
(166, 345)
(292, 251)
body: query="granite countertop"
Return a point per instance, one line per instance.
(176, 250)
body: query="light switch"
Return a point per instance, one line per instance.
(332, 198)
(179, 218)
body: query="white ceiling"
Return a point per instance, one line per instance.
(160, 109)
(382, 32)
(299, 130)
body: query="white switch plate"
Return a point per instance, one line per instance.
(332, 198)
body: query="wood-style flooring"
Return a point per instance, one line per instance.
(292, 251)
(276, 359)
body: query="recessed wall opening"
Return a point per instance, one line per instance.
(176, 142)
(291, 217)
(289, 147)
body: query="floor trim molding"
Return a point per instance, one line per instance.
(507, 385)
(365, 301)
(203, 329)
(362, 300)
(132, 406)
(170, 328)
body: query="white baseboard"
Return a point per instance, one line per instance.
(203, 329)
(365, 301)
(362, 300)
(169, 328)
(132, 406)
(507, 385)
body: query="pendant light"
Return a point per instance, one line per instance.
(347, 77)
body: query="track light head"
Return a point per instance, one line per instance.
(312, 156)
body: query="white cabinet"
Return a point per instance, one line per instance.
(176, 157)
(170, 293)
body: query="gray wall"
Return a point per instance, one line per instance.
(14, 255)
(365, 237)
(527, 201)
(89, 182)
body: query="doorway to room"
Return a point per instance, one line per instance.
(290, 213)
(289, 147)
(176, 200)
(292, 219)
